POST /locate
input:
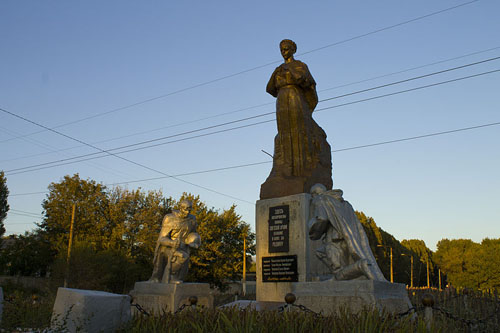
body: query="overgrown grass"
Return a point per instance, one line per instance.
(26, 308)
(22, 310)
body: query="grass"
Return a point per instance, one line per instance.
(32, 309)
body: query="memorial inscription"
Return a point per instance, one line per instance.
(279, 229)
(280, 269)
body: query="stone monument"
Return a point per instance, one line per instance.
(309, 241)
(166, 290)
(302, 156)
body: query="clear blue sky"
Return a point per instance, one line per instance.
(63, 61)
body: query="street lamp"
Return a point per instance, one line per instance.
(411, 267)
(385, 246)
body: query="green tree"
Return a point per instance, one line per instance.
(4, 206)
(485, 265)
(421, 256)
(27, 255)
(98, 269)
(91, 222)
(137, 217)
(220, 256)
(469, 264)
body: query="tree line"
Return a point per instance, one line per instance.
(114, 237)
(115, 233)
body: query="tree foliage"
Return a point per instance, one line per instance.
(115, 233)
(381, 243)
(28, 255)
(91, 222)
(220, 256)
(4, 206)
(469, 264)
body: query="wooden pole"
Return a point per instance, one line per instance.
(439, 279)
(244, 286)
(392, 275)
(411, 282)
(70, 241)
(428, 281)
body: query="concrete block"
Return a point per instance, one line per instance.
(157, 298)
(309, 267)
(330, 296)
(1, 303)
(89, 311)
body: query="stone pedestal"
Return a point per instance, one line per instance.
(309, 267)
(78, 310)
(329, 297)
(157, 298)
(287, 263)
(1, 304)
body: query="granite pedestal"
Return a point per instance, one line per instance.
(287, 263)
(78, 310)
(157, 298)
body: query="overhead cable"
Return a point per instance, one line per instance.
(90, 156)
(257, 67)
(120, 157)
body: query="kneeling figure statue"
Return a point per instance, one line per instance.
(345, 248)
(178, 234)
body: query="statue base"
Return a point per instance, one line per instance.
(328, 297)
(157, 298)
(281, 186)
(331, 297)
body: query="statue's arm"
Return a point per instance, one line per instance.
(318, 224)
(271, 85)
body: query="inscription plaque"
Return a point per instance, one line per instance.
(279, 218)
(280, 269)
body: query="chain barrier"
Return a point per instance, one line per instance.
(140, 309)
(289, 307)
(407, 312)
(189, 306)
(468, 322)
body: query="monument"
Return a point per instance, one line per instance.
(309, 240)
(302, 156)
(166, 290)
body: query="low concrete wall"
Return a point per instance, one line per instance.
(27, 281)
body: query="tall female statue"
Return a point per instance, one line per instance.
(302, 156)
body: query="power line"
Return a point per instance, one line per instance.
(411, 69)
(23, 212)
(408, 90)
(120, 157)
(25, 215)
(269, 113)
(90, 156)
(265, 104)
(254, 68)
(29, 193)
(381, 143)
(412, 79)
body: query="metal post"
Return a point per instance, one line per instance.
(439, 279)
(70, 241)
(411, 272)
(392, 274)
(244, 285)
(428, 281)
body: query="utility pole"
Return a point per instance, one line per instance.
(439, 279)
(70, 241)
(411, 285)
(428, 281)
(392, 273)
(244, 285)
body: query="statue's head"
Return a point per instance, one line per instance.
(317, 189)
(288, 48)
(185, 207)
